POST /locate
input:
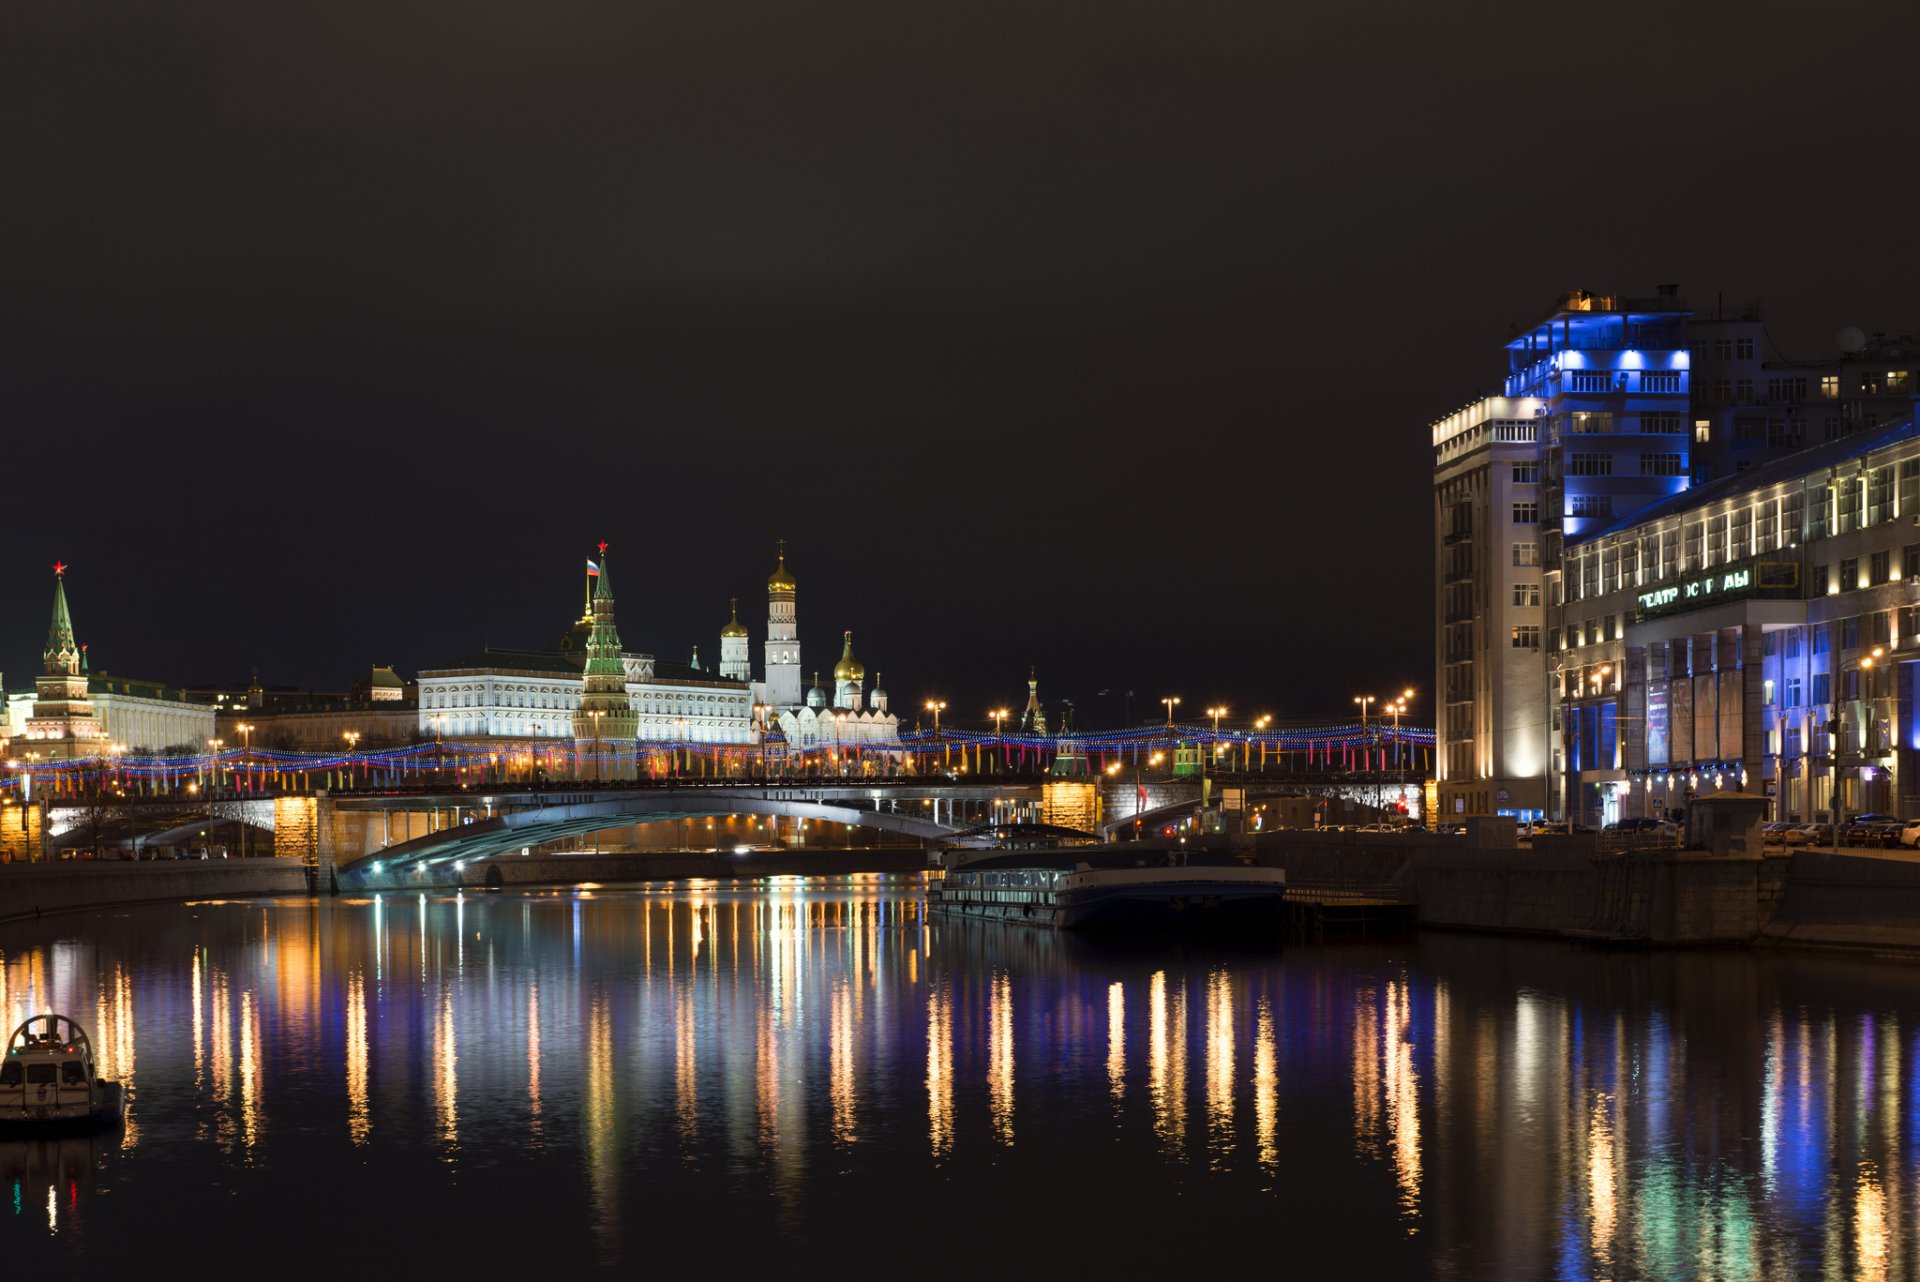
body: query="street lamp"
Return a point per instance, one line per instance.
(353, 741)
(936, 707)
(1363, 700)
(999, 716)
(1172, 701)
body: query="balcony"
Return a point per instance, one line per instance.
(1455, 537)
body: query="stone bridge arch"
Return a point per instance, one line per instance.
(507, 832)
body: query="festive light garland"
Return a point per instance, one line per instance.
(1346, 743)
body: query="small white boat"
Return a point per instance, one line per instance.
(48, 1079)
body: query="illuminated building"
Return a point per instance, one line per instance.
(734, 663)
(63, 722)
(1757, 631)
(541, 695)
(1033, 719)
(78, 713)
(604, 713)
(1610, 408)
(781, 687)
(852, 719)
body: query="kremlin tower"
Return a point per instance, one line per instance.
(62, 712)
(605, 724)
(734, 663)
(783, 644)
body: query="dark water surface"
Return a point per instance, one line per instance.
(812, 1077)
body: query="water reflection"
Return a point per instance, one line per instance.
(939, 1072)
(1000, 1057)
(1167, 1062)
(822, 1054)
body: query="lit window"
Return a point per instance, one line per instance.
(1702, 430)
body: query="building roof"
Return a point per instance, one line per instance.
(1792, 467)
(687, 674)
(569, 663)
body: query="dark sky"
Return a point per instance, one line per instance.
(1098, 336)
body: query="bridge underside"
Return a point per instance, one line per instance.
(512, 832)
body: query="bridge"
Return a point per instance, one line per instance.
(464, 828)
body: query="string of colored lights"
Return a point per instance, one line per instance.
(1345, 741)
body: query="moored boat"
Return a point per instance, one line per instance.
(48, 1079)
(1126, 887)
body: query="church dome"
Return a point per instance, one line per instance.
(780, 580)
(734, 628)
(816, 697)
(849, 668)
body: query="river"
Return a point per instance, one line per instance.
(811, 1076)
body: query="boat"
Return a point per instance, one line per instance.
(48, 1079)
(1125, 887)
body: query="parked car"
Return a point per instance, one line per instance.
(1774, 832)
(1910, 833)
(1655, 829)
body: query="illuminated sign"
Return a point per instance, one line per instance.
(1762, 578)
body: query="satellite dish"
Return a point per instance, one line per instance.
(1851, 339)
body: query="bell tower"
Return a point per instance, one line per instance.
(783, 640)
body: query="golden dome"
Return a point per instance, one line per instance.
(735, 628)
(780, 580)
(849, 668)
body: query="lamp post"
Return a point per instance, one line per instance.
(1172, 701)
(936, 707)
(1260, 723)
(353, 742)
(999, 716)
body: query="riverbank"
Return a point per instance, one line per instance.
(1570, 887)
(573, 868)
(34, 890)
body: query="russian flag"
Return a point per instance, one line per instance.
(592, 569)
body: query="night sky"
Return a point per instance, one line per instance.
(1103, 337)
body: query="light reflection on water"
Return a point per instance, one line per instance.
(820, 1056)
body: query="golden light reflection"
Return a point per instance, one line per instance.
(840, 1035)
(1403, 1094)
(359, 1122)
(1603, 1211)
(252, 1102)
(1266, 1090)
(1220, 1057)
(113, 1043)
(1117, 1040)
(446, 1073)
(1366, 1072)
(199, 1026)
(1872, 1244)
(220, 1040)
(533, 1059)
(686, 1080)
(1167, 1062)
(1386, 1086)
(939, 1071)
(602, 1148)
(1000, 1056)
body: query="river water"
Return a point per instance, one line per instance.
(812, 1076)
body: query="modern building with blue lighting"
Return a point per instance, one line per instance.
(1651, 583)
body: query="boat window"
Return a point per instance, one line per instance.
(73, 1071)
(40, 1073)
(11, 1073)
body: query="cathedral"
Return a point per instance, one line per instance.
(852, 717)
(588, 692)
